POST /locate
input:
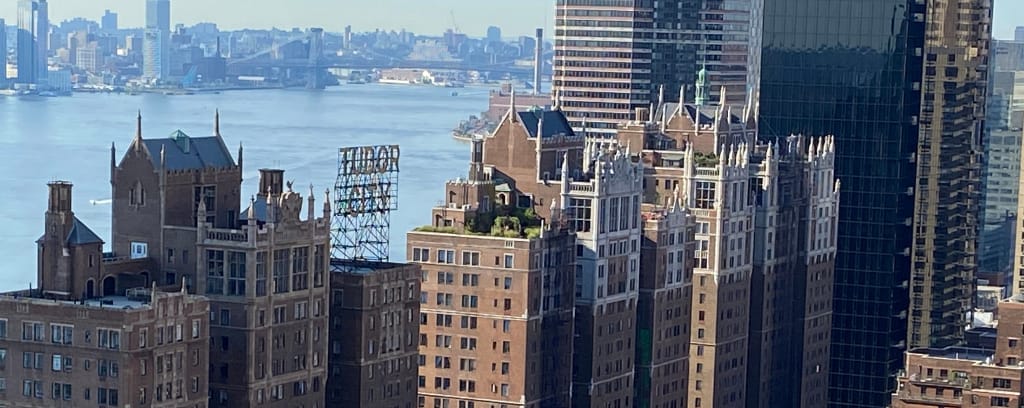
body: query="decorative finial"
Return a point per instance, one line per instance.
(138, 131)
(721, 96)
(216, 124)
(512, 102)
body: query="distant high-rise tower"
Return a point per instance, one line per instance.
(1018, 34)
(33, 39)
(610, 60)
(3, 53)
(493, 34)
(538, 62)
(109, 21)
(156, 62)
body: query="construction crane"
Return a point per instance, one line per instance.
(455, 24)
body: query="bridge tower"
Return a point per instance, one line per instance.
(317, 73)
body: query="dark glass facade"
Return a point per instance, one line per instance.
(901, 84)
(845, 68)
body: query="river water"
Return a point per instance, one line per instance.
(46, 139)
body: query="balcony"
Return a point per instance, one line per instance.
(929, 400)
(227, 235)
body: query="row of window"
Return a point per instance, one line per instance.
(447, 256)
(63, 334)
(169, 334)
(227, 272)
(63, 391)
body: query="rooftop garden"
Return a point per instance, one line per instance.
(705, 159)
(504, 221)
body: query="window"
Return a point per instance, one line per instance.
(445, 256)
(106, 396)
(509, 264)
(110, 339)
(470, 279)
(504, 390)
(208, 195)
(61, 333)
(579, 214)
(1001, 383)
(508, 283)
(281, 263)
(705, 195)
(61, 391)
(32, 331)
(3, 328)
(236, 273)
(195, 329)
(421, 255)
(470, 258)
(214, 272)
(319, 265)
(261, 273)
(999, 402)
(300, 268)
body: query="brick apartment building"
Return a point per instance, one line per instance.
(177, 204)
(968, 377)
(115, 345)
(731, 305)
(177, 225)
(374, 334)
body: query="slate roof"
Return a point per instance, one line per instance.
(183, 152)
(81, 234)
(554, 122)
(259, 207)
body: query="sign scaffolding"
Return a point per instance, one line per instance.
(365, 194)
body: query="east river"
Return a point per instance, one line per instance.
(47, 139)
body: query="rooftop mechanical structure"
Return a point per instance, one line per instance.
(365, 194)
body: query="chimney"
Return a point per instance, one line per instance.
(641, 115)
(60, 197)
(476, 160)
(271, 180)
(538, 65)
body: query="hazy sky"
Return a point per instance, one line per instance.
(515, 17)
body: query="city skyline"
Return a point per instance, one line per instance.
(472, 18)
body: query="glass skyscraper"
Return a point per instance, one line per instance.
(33, 40)
(156, 50)
(900, 83)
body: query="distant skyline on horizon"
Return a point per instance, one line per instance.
(515, 18)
